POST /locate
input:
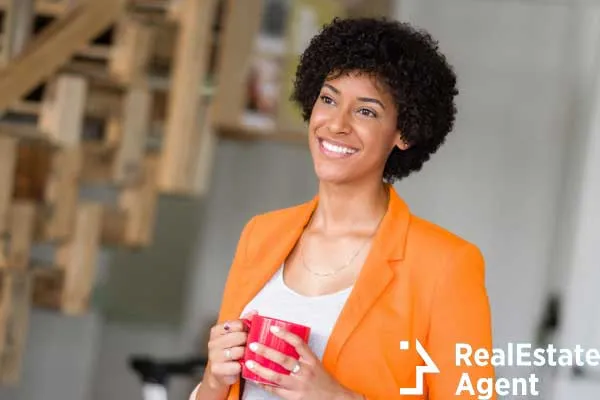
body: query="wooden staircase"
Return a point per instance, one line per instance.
(93, 94)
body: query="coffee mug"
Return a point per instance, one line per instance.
(259, 330)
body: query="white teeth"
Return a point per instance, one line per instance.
(337, 149)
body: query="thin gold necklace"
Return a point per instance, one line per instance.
(346, 265)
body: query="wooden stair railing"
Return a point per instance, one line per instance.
(54, 46)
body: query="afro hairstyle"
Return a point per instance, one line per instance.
(406, 61)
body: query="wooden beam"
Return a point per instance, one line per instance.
(131, 224)
(136, 118)
(15, 295)
(8, 162)
(62, 193)
(54, 46)
(251, 134)
(25, 132)
(22, 223)
(97, 52)
(46, 8)
(78, 259)
(3, 252)
(139, 204)
(241, 25)
(130, 54)
(102, 102)
(176, 172)
(18, 27)
(63, 108)
(206, 149)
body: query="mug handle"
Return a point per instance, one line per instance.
(247, 322)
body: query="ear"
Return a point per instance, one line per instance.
(400, 142)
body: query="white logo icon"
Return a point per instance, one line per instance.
(428, 368)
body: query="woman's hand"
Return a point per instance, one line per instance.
(225, 348)
(308, 378)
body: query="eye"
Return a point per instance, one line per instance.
(367, 113)
(326, 99)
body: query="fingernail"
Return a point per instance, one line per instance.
(253, 346)
(275, 329)
(226, 326)
(250, 364)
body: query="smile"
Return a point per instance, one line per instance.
(335, 150)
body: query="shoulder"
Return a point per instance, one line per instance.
(437, 252)
(422, 232)
(274, 220)
(265, 226)
(265, 220)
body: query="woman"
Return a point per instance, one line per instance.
(354, 263)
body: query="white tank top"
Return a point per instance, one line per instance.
(277, 300)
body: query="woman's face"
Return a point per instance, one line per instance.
(352, 129)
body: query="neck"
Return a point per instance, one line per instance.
(350, 207)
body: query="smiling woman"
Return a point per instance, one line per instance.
(354, 264)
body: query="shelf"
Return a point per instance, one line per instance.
(252, 134)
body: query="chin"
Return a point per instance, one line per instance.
(332, 175)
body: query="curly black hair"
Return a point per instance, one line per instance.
(406, 61)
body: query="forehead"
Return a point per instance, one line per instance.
(361, 84)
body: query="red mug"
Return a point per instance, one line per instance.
(259, 330)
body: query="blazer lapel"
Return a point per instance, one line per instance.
(376, 274)
(273, 250)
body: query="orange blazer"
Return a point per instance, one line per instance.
(419, 282)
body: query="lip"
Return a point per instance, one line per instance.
(332, 154)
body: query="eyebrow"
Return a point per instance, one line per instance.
(363, 99)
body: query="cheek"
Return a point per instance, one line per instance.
(318, 117)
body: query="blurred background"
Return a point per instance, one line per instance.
(138, 137)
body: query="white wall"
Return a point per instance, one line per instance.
(581, 274)
(498, 179)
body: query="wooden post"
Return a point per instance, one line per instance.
(18, 27)
(15, 294)
(22, 222)
(131, 52)
(63, 108)
(206, 150)
(8, 160)
(78, 258)
(62, 193)
(133, 135)
(132, 222)
(241, 25)
(15, 287)
(61, 118)
(188, 78)
(139, 204)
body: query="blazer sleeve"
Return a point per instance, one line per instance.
(460, 315)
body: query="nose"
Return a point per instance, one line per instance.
(339, 123)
